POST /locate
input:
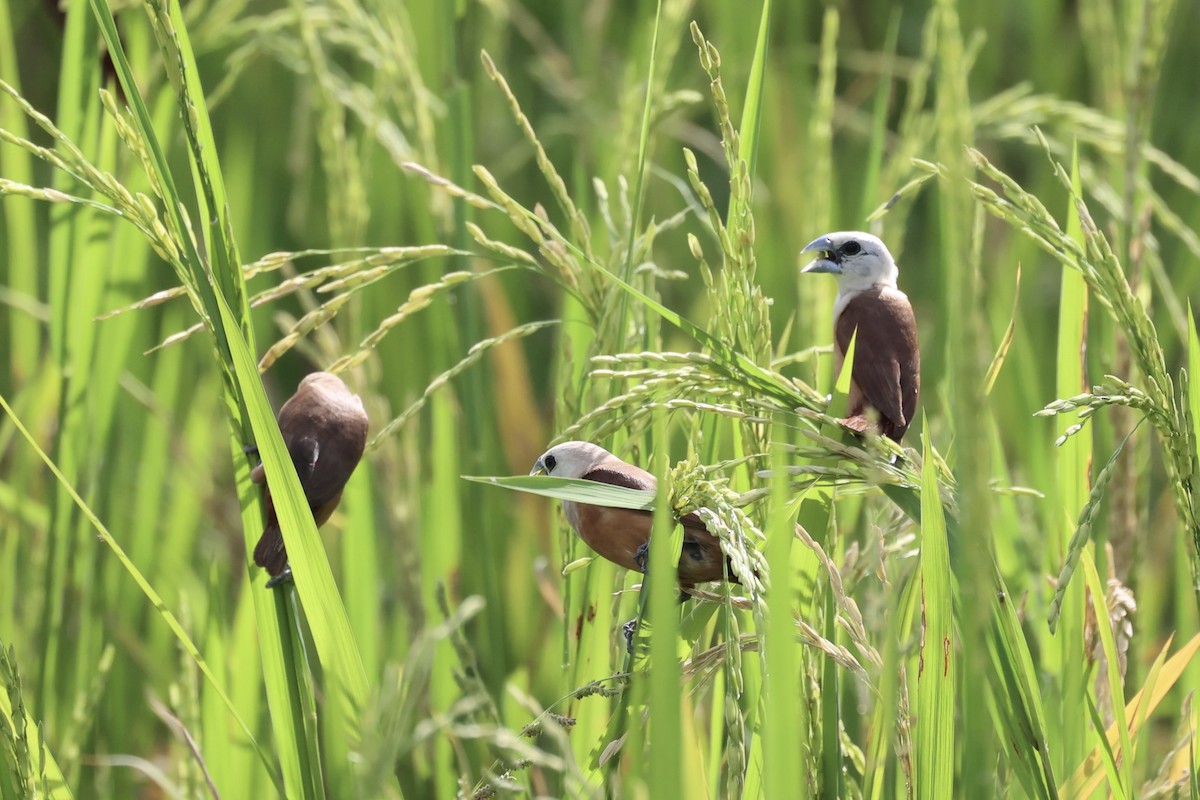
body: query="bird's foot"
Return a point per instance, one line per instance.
(282, 578)
(856, 424)
(630, 630)
(252, 451)
(641, 556)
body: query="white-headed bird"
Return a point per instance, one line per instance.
(886, 379)
(622, 535)
(324, 427)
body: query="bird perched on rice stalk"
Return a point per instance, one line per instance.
(324, 427)
(886, 377)
(622, 535)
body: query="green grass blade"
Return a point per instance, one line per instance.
(666, 542)
(1110, 760)
(1121, 778)
(172, 621)
(323, 607)
(784, 713)
(1006, 340)
(1016, 700)
(581, 491)
(21, 244)
(752, 109)
(1072, 469)
(1194, 388)
(29, 768)
(639, 179)
(934, 756)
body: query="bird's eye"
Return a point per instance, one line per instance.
(851, 248)
(550, 463)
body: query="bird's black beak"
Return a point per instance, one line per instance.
(827, 259)
(538, 468)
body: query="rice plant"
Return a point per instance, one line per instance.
(512, 224)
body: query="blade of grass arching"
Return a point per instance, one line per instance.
(1016, 700)
(784, 715)
(326, 616)
(752, 109)
(933, 773)
(1164, 673)
(1120, 782)
(1109, 760)
(153, 596)
(666, 542)
(581, 491)
(1073, 468)
(20, 228)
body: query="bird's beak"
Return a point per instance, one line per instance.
(538, 468)
(826, 260)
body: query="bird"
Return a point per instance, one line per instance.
(324, 427)
(622, 535)
(886, 379)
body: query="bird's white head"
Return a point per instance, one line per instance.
(859, 260)
(570, 460)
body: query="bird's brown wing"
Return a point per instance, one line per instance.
(305, 451)
(325, 460)
(617, 533)
(886, 360)
(614, 533)
(624, 475)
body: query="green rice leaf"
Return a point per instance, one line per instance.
(934, 756)
(160, 606)
(324, 612)
(580, 491)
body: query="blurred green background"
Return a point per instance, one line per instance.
(316, 107)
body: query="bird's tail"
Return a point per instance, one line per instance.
(269, 553)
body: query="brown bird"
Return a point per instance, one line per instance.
(324, 427)
(622, 535)
(886, 379)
